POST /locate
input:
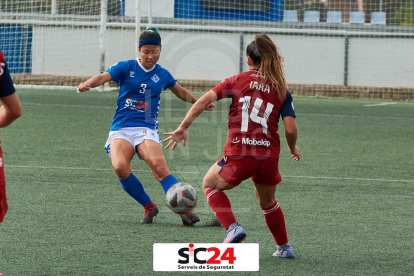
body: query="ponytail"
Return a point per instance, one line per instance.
(263, 52)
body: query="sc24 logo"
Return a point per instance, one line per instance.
(136, 105)
(228, 255)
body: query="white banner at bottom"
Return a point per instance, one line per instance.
(206, 257)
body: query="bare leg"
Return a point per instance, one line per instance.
(121, 155)
(213, 180)
(153, 155)
(265, 195)
(213, 187)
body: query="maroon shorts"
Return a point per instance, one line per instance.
(3, 202)
(263, 171)
(3, 199)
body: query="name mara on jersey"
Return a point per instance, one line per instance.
(259, 86)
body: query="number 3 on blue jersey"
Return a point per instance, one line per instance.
(143, 86)
(254, 114)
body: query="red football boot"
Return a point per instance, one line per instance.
(151, 210)
(189, 218)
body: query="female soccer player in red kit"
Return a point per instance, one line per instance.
(259, 98)
(10, 110)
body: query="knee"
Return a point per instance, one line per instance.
(160, 171)
(121, 169)
(266, 202)
(208, 183)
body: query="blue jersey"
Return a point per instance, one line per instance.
(139, 93)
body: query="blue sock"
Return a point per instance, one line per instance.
(168, 181)
(135, 189)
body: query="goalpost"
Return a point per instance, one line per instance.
(349, 48)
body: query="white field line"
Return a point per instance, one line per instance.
(55, 87)
(380, 104)
(222, 111)
(350, 178)
(90, 169)
(111, 89)
(183, 172)
(353, 116)
(71, 105)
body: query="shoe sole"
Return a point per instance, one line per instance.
(287, 256)
(283, 257)
(237, 239)
(191, 223)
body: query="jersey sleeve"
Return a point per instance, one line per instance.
(287, 108)
(223, 90)
(117, 71)
(6, 83)
(169, 80)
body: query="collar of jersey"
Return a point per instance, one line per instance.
(143, 68)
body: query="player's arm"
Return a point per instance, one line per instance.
(186, 96)
(94, 82)
(182, 93)
(201, 104)
(198, 107)
(10, 110)
(291, 133)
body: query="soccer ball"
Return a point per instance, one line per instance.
(181, 198)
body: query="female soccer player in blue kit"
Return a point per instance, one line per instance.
(259, 99)
(134, 129)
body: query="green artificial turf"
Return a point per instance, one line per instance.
(348, 202)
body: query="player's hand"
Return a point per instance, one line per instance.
(84, 86)
(210, 107)
(175, 137)
(295, 153)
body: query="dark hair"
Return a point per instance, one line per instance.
(264, 54)
(253, 53)
(149, 34)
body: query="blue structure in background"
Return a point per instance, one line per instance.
(16, 45)
(290, 16)
(122, 8)
(334, 17)
(378, 18)
(194, 9)
(311, 17)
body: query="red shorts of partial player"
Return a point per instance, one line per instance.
(3, 198)
(263, 171)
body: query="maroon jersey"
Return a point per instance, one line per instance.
(253, 116)
(2, 65)
(6, 83)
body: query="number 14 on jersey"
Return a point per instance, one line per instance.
(254, 113)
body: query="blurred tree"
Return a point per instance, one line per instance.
(399, 12)
(404, 16)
